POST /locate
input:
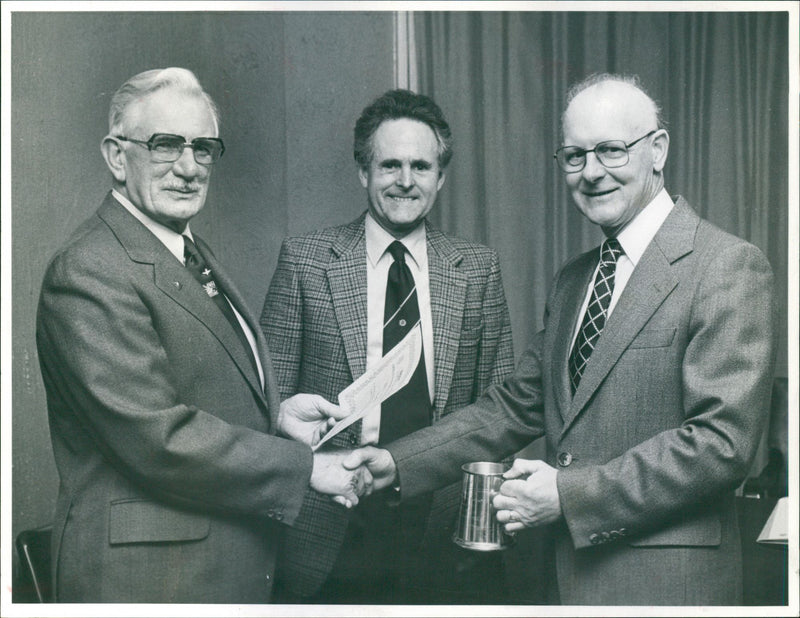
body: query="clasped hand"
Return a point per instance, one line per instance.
(344, 475)
(528, 497)
(348, 475)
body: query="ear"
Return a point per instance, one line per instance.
(115, 158)
(660, 150)
(442, 177)
(362, 176)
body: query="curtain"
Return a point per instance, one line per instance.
(500, 78)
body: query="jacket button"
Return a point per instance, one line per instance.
(564, 459)
(623, 531)
(606, 537)
(615, 534)
(268, 577)
(271, 513)
(279, 516)
(594, 539)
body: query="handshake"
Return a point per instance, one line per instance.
(345, 475)
(348, 475)
(527, 498)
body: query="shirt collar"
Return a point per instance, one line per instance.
(169, 238)
(378, 241)
(639, 232)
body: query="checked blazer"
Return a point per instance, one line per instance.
(315, 323)
(660, 432)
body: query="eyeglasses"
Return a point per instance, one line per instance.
(167, 148)
(613, 153)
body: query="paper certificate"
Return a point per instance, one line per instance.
(379, 383)
(776, 530)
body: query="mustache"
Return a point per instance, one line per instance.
(185, 188)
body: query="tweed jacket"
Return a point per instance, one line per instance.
(660, 432)
(172, 482)
(315, 322)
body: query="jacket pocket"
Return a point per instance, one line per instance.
(145, 521)
(702, 531)
(654, 338)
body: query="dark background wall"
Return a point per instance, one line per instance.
(289, 87)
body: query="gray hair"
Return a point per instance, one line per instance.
(599, 78)
(148, 82)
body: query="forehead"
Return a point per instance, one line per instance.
(172, 111)
(404, 138)
(606, 112)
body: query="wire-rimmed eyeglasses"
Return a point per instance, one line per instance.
(167, 148)
(613, 153)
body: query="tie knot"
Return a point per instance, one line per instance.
(190, 252)
(611, 250)
(398, 251)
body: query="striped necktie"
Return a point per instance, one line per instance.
(596, 312)
(409, 408)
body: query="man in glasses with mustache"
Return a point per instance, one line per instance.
(162, 402)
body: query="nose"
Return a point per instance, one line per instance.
(593, 170)
(185, 166)
(405, 178)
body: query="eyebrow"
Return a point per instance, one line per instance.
(414, 163)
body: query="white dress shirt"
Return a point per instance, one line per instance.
(174, 242)
(634, 239)
(378, 262)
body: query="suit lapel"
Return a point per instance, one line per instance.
(231, 341)
(651, 282)
(347, 278)
(177, 283)
(448, 288)
(566, 313)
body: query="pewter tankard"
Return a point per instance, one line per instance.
(478, 527)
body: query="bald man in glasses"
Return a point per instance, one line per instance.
(162, 402)
(650, 382)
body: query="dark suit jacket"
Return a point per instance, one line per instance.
(661, 431)
(315, 321)
(171, 482)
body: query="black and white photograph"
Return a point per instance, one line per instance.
(400, 308)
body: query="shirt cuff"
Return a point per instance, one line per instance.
(393, 497)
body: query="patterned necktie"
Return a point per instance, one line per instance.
(596, 312)
(409, 408)
(196, 264)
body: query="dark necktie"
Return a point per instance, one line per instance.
(596, 312)
(409, 408)
(196, 264)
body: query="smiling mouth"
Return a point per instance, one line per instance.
(403, 198)
(598, 193)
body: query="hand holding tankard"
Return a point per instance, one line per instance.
(528, 497)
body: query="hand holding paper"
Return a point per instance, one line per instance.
(390, 375)
(306, 418)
